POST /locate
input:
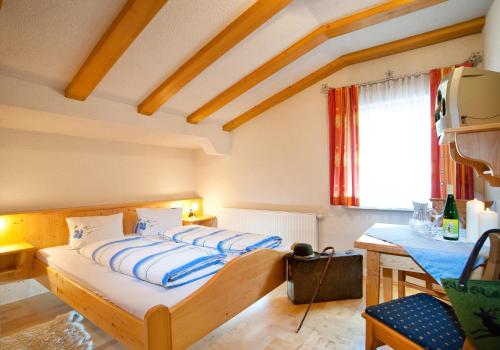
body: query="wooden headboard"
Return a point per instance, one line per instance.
(48, 228)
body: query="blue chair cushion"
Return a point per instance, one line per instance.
(423, 319)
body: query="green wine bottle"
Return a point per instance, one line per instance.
(450, 217)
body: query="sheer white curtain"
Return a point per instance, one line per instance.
(394, 142)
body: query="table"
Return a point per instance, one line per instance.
(381, 255)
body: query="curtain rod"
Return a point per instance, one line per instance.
(475, 58)
(389, 76)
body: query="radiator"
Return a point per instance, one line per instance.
(292, 227)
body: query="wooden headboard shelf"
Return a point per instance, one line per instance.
(48, 228)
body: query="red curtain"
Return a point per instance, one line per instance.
(444, 170)
(344, 146)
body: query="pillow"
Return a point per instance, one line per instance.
(155, 221)
(88, 229)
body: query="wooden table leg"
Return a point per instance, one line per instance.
(401, 284)
(372, 278)
(387, 283)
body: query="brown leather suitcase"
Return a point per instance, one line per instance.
(343, 279)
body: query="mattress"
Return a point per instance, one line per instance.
(132, 295)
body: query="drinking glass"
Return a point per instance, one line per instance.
(436, 229)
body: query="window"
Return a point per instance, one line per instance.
(394, 143)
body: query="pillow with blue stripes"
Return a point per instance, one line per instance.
(155, 221)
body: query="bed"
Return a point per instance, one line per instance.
(138, 314)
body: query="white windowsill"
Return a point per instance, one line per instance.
(376, 208)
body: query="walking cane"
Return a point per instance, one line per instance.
(318, 286)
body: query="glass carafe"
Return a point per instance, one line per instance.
(421, 218)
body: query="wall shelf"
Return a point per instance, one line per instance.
(479, 147)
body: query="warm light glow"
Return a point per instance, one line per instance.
(187, 205)
(3, 224)
(194, 206)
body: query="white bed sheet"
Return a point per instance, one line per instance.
(131, 294)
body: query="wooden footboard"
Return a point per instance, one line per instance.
(123, 326)
(239, 284)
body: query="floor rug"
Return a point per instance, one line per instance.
(65, 332)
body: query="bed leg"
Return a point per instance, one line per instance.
(158, 330)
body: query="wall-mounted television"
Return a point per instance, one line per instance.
(467, 96)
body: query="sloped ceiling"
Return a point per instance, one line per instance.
(45, 42)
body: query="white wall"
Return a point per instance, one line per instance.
(40, 171)
(279, 160)
(491, 34)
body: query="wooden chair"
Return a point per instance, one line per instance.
(431, 287)
(379, 333)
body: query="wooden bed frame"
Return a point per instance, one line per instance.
(239, 284)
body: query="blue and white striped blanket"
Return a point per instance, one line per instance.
(157, 261)
(225, 241)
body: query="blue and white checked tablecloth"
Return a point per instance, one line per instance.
(440, 259)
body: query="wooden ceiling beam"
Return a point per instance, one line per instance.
(361, 19)
(414, 42)
(235, 32)
(130, 22)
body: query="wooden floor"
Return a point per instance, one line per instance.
(268, 324)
